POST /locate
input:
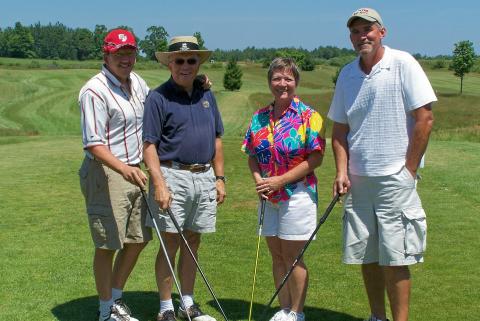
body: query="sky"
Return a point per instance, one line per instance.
(426, 27)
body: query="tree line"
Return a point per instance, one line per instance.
(58, 41)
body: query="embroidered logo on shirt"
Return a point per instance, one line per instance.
(205, 104)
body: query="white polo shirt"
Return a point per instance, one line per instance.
(112, 117)
(377, 108)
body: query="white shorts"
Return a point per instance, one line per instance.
(294, 219)
(384, 221)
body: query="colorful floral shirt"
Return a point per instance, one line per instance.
(280, 146)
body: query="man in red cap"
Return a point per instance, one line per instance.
(111, 106)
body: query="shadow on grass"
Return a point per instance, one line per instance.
(144, 306)
(238, 310)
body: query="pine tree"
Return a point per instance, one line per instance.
(232, 80)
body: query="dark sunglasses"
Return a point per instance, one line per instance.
(190, 61)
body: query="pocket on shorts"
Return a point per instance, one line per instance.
(415, 222)
(83, 171)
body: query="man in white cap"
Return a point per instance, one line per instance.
(111, 107)
(382, 121)
(184, 155)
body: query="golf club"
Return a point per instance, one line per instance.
(302, 251)
(260, 226)
(174, 220)
(162, 245)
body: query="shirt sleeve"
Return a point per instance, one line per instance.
(247, 146)
(94, 118)
(153, 118)
(315, 134)
(417, 90)
(218, 118)
(337, 107)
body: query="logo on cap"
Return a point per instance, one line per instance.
(184, 47)
(122, 37)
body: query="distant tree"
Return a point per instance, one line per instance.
(84, 44)
(54, 41)
(463, 60)
(232, 79)
(201, 42)
(307, 64)
(295, 54)
(18, 42)
(98, 35)
(155, 40)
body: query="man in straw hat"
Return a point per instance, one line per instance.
(111, 106)
(382, 121)
(184, 155)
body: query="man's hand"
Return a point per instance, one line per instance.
(221, 193)
(162, 196)
(341, 185)
(134, 175)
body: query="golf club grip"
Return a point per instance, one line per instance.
(177, 226)
(262, 212)
(299, 257)
(162, 245)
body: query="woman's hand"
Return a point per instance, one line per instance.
(268, 185)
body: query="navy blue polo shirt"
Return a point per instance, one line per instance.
(183, 128)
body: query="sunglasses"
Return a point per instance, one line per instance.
(181, 61)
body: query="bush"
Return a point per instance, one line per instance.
(307, 64)
(232, 80)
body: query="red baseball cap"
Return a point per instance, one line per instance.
(118, 38)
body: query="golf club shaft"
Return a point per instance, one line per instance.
(162, 245)
(169, 211)
(299, 257)
(260, 226)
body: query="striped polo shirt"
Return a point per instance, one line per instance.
(112, 117)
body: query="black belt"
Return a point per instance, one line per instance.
(194, 168)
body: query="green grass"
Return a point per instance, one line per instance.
(47, 252)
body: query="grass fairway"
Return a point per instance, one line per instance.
(47, 251)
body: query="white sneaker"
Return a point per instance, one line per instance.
(294, 316)
(195, 314)
(280, 316)
(121, 312)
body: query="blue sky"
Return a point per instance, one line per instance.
(426, 27)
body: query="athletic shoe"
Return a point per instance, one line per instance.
(280, 316)
(373, 318)
(168, 315)
(195, 314)
(121, 311)
(294, 316)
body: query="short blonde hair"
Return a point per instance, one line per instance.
(282, 63)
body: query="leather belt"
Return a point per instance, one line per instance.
(194, 168)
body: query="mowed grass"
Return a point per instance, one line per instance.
(47, 251)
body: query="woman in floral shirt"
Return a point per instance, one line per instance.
(285, 143)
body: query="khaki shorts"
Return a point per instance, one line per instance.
(293, 220)
(194, 201)
(384, 221)
(116, 211)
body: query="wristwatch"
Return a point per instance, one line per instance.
(222, 178)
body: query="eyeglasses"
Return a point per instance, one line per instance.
(181, 61)
(127, 54)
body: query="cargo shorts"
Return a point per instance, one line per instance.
(115, 208)
(384, 221)
(194, 202)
